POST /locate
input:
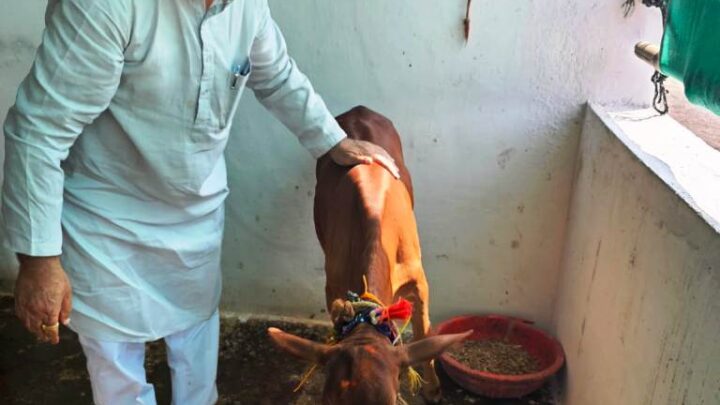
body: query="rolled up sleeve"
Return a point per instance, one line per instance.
(286, 92)
(76, 72)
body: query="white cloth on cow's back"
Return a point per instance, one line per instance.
(136, 97)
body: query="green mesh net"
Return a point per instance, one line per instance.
(690, 49)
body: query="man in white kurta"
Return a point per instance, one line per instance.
(114, 162)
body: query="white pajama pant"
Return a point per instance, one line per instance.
(117, 371)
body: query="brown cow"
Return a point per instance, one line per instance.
(365, 223)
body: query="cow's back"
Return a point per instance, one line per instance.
(350, 210)
(364, 124)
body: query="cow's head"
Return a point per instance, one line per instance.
(363, 368)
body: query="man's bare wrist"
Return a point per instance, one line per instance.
(34, 261)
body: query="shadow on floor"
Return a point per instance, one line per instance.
(250, 370)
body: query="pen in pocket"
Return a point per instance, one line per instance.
(240, 71)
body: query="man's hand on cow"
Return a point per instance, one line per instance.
(43, 297)
(350, 152)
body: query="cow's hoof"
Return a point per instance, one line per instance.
(432, 394)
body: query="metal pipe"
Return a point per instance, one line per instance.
(648, 52)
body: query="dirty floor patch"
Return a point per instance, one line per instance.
(251, 371)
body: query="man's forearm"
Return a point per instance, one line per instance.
(75, 75)
(286, 92)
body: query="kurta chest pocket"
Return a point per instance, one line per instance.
(236, 80)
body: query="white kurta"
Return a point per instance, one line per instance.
(136, 98)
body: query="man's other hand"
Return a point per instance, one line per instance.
(43, 297)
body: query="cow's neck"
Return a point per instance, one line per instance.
(378, 284)
(376, 270)
(346, 274)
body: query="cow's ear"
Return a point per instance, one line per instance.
(300, 347)
(429, 348)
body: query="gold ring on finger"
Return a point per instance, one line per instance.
(50, 328)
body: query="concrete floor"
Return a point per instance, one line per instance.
(250, 370)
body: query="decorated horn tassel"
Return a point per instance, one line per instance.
(399, 310)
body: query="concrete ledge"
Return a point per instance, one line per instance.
(682, 160)
(638, 305)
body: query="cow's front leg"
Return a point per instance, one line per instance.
(421, 328)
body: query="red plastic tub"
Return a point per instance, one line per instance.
(546, 349)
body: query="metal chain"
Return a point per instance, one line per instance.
(629, 5)
(660, 100)
(655, 3)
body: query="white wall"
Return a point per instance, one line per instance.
(490, 132)
(638, 308)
